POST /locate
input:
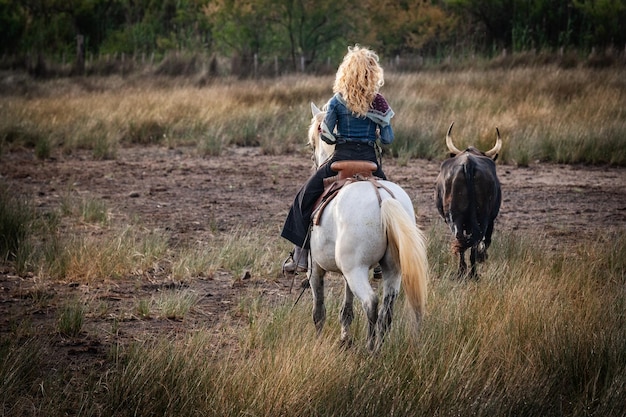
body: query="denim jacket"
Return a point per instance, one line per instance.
(340, 125)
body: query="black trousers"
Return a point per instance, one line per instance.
(296, 225)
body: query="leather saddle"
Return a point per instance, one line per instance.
(347, 172)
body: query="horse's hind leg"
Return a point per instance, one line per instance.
(346, 316)
(358, 281)
(371, 309)
(316, 280)
(391, 289)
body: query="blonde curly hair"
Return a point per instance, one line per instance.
(359, 79)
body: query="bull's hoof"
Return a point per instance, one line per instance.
(481, 252)
(462, 274)
(467, 276)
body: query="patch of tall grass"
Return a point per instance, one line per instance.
(36, 242)
(544, 113)
(16, 219)
(175, 305)
(20, 368)
(130, 253)
(541, 334)
(71, 318)
(252, 250)
(69, 243)
(94, 211)
(529, 339)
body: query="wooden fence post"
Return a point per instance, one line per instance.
(256, 64)
(80, 54)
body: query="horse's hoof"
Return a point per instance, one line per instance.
(346, 344)
(305, 283)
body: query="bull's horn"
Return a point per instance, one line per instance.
(453, 149)
(314, 110)
(494, 151)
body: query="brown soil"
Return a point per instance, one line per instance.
(193, 197)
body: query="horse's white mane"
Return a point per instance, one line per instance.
(314, 129)
(321, 150)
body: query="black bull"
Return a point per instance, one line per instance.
(468, 197)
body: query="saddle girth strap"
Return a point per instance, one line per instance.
(332, 193)
(378, 185)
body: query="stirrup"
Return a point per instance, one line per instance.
(288, 269)
(294, 268)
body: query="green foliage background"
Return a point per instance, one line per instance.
(307, 30)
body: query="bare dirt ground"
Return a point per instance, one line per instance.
(193, 197)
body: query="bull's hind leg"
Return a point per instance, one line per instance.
(462, 265)
(482, 248)
(346, 315)
(473, 259)
(316, 279)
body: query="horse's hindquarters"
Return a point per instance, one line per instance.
(350, 232)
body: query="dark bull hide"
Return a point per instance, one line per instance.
(468, 198)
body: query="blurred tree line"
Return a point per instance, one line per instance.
(305, 32)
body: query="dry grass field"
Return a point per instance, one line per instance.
(147, 276)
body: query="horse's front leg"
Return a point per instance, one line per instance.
(347, 315)
(316, 279)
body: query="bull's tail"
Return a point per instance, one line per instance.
(475, 234)
(408, 247)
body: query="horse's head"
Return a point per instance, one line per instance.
(321, 150)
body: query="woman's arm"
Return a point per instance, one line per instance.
(386, 134)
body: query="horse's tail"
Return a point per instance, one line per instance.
(408, 246)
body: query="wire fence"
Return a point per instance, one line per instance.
(256, 66)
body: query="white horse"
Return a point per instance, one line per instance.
(356, 231)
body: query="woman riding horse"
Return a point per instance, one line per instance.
(356, 116)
